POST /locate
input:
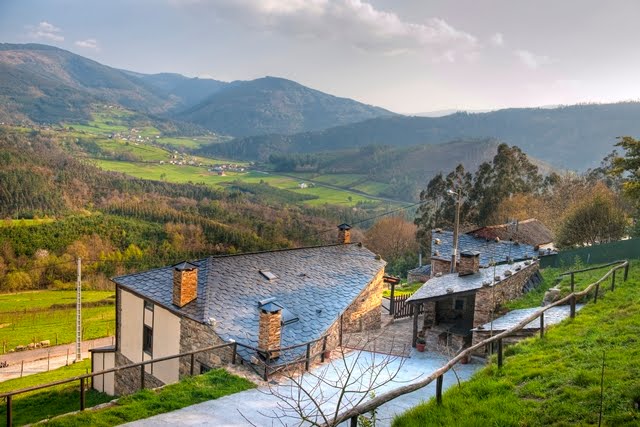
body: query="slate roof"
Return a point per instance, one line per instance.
(552, 316)
(451, 284)
(489, 249)
(316, 284)
(530, 231)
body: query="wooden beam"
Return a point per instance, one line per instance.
(416, 313)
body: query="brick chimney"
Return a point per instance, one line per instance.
(344, 235)
(185, 283)
(270, 327)
(469, 263)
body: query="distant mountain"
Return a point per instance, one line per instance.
(574, 137)
(46, 84)
(189, 91)
(274, 105)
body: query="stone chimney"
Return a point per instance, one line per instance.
(270, 327)
(185, 283)
(344, 234)
(469, 263)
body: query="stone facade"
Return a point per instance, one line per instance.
(364, 313)
(185, 286)
(270, 331)
(489, 298)
(127, 381)
(469, 263)
(195, 335)
(440, 265)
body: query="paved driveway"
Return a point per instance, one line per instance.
(266, 407)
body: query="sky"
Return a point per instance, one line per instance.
(409, 56)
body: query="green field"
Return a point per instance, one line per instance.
(556, 380)
(193, 174)
(27, 317)
(24, 222)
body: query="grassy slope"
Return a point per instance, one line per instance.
(20, 324)
(146, 403)
(34, 406)
(556, 381)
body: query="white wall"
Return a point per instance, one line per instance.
(99, 362)
(166, 336)
(166, 342)
(131, 326)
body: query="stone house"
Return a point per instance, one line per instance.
(455, 303)
(529, 232)
(265, 300)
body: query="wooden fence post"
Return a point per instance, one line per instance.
(626, 272)
(392, 300)
(500, 353)
(141, 377)
(235, 352)
(82, 396)
(306, 363)
(595, 297)
(354, 421)
(439, 390)
(414, 338)
(542, 325)
(9, 417)
(193, 364)
(572, 313)
(573, 283)
(613, 280)
(21, 368)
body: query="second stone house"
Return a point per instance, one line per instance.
(455, 303)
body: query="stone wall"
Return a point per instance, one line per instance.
(270, 331)
(489, 298)
(364, 313)
(440, 265)
(127, 381)
(194, 336)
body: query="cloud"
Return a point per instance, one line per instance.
(88, 43)
(45, 30)
(353, 22)
(497, 39)
(532, 60)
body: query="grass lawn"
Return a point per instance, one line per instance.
(403, 289)
(146, 403)
(556, 380)
(25, 317)
(38, 405)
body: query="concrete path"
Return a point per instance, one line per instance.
(269, 405)
(43, 359)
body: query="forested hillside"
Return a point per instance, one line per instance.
(575, 137)
(274, 105)
(70, 208)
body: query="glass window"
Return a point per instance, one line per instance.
(147, 339)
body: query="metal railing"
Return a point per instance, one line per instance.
(352, 414)
(266, 368)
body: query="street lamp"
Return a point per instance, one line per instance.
(454, 253)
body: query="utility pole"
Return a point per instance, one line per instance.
(79, 312)
(454, 253)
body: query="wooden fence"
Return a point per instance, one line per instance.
(402, 309)
(352, 414)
